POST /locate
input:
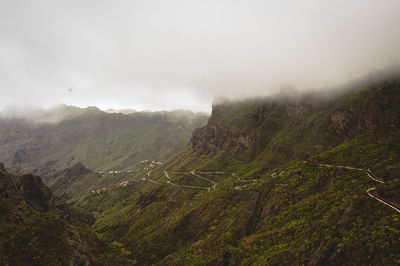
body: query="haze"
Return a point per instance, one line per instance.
(164, 55)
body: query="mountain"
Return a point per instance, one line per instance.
(37, 228)
(275, 181)
(121, 111)
(100, 140)
(264, 134)
(39, 115)
(69, 182)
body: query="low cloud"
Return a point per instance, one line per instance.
(182, 54)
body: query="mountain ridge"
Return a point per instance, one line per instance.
(91, 138)
(271, 203)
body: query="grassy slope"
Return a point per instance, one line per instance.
(309, 214)
(97, 139)
(153, 136)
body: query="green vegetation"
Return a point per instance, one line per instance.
(99, 140)
(295, 212)
(37, 228)
(282, 195)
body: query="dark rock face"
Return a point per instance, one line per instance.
(35, 193)
(27, 189)
(212, 139)
(245, 130)
(2, 168)
(343, 121)
(77, 170)
(32, 216)
(67, 177)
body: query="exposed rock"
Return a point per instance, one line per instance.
(35, 193)
(66, 177)
(32, 217)
(279, 130)
(343, 121)
(212, 139)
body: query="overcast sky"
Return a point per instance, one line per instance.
(170, 54)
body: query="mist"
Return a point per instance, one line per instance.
(165, 55)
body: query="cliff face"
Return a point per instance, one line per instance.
(35, 226)
(212, 139)
(252, 126)
(297, 128)
(280, 207)
(63, 179)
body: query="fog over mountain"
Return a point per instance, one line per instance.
(182, 54)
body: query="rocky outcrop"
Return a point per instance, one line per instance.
(35, 193)
(343, 121)
(65, 178)
(280, 130)
(212, 139)
(249, 131)
(33, 217)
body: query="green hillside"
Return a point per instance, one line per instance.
(277, 190)
(99, 140)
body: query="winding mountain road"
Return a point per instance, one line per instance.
(151, 180)
(197, 174)
(206, 179)
(340, 166)
(214, 184)
(371, 191)
(179, 185)
(166, 174)
(373, 177)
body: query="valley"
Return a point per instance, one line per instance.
(267, 181)
(278, 199)
(199, 133)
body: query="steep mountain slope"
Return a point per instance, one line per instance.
(264, 134)
(64, 183)
(95, 138)
(37, 228)
(288, 186)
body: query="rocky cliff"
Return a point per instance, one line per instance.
(36, 228)
(297, 128)
(288, 187)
